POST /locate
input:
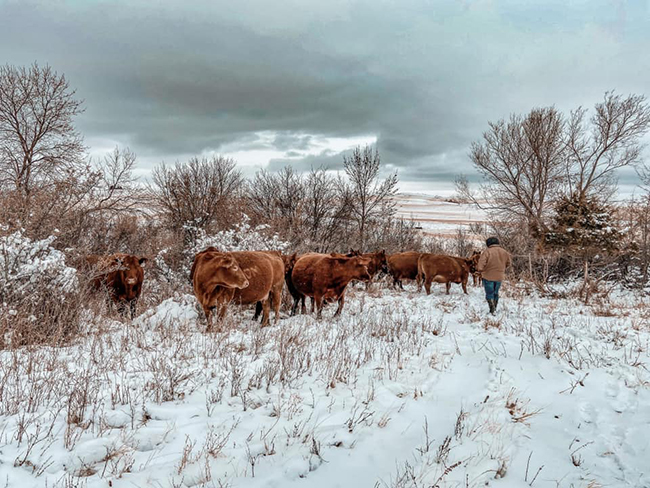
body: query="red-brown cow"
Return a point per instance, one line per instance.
(442, 269)
(404, 266)
(324, 277)
(121, 275)
(214, 276)
(264, 273)
(473, 269)
(299, 298)
(289, 263)
(279, 262)
(378, 263)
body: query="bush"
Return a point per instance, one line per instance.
(38, 292)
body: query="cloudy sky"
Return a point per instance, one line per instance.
(299, 82)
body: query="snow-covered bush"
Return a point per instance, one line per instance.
(242, 237)
(37, 291)
(25, 263)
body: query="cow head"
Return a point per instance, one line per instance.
(229, 273)
(381, 262)
(353, 252)
(289, 261)
(469, 264)
(358, 267)
(472, 261)
(129, 274)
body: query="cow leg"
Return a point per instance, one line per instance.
(220, 317)
(419, 279)
(294, 307)
(123, 307)
(448, 286)
(258, 311)
(341, 302)
(208, 317)
(427, 285)
(266, 305)
(277, 301)
(317, 300)
(464, 283)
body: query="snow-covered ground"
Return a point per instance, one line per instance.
(404, 390)
(436, 215)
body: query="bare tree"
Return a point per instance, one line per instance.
(289, 197)
(611, 141)
(199, 193)
(522, 163)
(38, 142)
(326, 210)
(261, 197)
(276, 199)
(370, 198)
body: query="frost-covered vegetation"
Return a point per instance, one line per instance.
(39, 292)
(403, 390)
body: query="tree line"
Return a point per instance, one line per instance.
(548, 181)
(49, 186)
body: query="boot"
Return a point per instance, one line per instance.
(496, 303)
(492, 306)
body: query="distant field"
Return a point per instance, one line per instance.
(437, 216)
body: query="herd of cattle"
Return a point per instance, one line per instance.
(258, 277)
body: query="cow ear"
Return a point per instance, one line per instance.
(141, 261)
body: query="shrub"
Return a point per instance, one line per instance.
(38, 292)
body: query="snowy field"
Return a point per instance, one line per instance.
(404, 390)
(436, 215)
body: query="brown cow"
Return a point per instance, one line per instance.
(289, 263)
(299, 298)
(214, 276)
(265, 273)
(378, 263)
(442, 269)
(324, 277)
(404, 266)
(279, 262)
(473, 269)
(121, 275)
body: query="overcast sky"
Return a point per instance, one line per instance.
(298, 82)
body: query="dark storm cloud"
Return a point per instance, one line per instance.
(424, 77)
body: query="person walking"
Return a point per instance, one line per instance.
(492, 265)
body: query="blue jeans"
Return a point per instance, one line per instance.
(491, 289)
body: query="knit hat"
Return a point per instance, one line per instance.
(491, 241)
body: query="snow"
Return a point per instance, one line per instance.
(242, 237)
(403, 389)
(25, 263)
(438, 216)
